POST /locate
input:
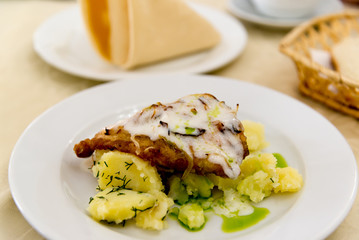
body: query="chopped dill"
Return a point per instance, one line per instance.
(125, 183)
(140, 210)
(111, 177)
(112, 190)
(128, 165)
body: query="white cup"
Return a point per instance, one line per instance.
(286, 8)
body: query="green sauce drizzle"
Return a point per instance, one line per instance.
(281, 163)
(239, 223)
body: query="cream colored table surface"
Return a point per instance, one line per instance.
(29, 86)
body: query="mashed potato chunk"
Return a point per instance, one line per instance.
(289, 180)
(117, 205)
(255, 135)
(118, 169)
(260, 177)
(129, 188)
(256, 186)
(155, 217)
(192, 216)
(223, 183)
(255, 162)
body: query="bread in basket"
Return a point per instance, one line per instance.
(317, 81)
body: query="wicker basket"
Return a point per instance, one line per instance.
(324, 84)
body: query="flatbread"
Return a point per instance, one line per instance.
(346, 59)
(146, 31)
(95, 15)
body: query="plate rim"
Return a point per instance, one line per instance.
(30, 219)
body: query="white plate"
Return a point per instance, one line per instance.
(244, 9)
(52, 187)
(62, 42)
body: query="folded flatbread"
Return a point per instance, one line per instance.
(131, 33)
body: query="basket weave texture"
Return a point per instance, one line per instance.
(324, 84)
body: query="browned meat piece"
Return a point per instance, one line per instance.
(163, 152)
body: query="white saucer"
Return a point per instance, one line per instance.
(245, 10)
(63, 42)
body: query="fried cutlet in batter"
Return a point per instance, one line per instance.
(196, 133)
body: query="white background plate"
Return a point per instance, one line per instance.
(62, 42)
(52, 187)
(245, 9)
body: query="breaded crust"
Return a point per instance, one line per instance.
(161, 153)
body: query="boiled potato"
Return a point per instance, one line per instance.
(154, 218)
(192, 216)
(117, 205)
(256, 186)
(118, 169)
(255, 135)
(223, 183)
(289, 180)
(255, 162)
(259, 176)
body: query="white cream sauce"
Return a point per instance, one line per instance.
(192, 124)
